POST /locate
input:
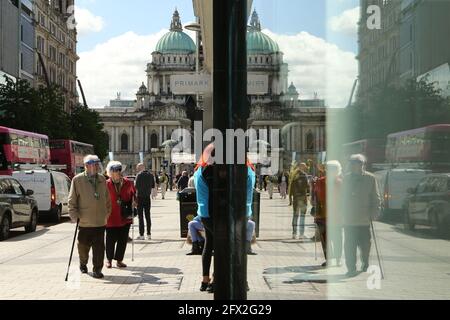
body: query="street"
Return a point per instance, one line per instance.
(33, 266)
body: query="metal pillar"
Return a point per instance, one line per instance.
(230, 111)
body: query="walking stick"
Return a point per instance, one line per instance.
(71, 251)
(376, 248)
(132, 236)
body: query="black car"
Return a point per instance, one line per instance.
(429, 204)
(17, 207)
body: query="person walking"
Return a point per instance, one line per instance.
(89, 203)
(283, 181)
(144, 184)
(122, 193)
(163, 181)
(156, 185)
(298, 198)
(334, 210)
(183, 181)
(319, 201)
(361, 205)
(270, 186)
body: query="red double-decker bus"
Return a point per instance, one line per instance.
(21, 147)
(372, 149)
(71, 154)
(428, 145)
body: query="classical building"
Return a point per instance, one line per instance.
(56, 41)
(142, 129)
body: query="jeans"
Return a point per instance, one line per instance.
(357, 237)
(144, 205)
(116, 242)
(194, 227)
(300, 207)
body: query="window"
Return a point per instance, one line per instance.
(17, 188)
(309, 141)
(124, 142)
(154, 140)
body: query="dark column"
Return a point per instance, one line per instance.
(231, 111)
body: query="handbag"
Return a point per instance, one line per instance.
(126, 209)
(313, 211)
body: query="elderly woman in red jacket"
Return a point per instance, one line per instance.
(122, 194)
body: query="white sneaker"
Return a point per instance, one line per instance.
(140, 238)
(149, 237)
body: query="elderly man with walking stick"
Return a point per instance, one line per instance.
(361, 205)
(90, 203)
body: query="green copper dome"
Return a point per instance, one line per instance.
(258, 42)
(176, 41)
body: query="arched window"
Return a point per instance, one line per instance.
(310, 141)
(185, 59)
(154, 140)
(181, 60)
(124, 142)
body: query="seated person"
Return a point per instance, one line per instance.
(195, 228)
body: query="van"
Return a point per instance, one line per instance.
(393, 185)
(51, 190)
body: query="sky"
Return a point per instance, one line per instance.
(116, 39)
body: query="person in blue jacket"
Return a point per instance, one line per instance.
(203, 179)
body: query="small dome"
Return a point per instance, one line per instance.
(258, 42)
(176, 41)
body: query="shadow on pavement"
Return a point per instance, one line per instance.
(16, 236)
(143, 275)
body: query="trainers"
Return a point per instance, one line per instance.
(140, 238)
(83, 269)
(108, 264)
(98, 275)
(210, 288)
(149, 237)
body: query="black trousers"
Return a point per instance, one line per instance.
(92, 238)
(209, 245)
(116, 242)
(356, 237)
(144, 205)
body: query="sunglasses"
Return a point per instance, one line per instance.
(116, 169)
(92, 162)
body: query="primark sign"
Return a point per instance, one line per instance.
(202, 84)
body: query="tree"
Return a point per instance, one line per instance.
(86, 126)
(393, 109)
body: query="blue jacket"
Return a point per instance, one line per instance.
(202, 189)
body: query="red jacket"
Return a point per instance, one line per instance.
(127, 193)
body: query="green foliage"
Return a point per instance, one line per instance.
(42, 111)
(87, 127)
(391, 109)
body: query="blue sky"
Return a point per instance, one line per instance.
(318, 38)
(280, 16)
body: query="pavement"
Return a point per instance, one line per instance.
(416, 265)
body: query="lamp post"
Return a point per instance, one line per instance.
(168, 146)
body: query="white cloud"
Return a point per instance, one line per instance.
(87, 22)
(117, 65)
(346, 22)
(316, 65)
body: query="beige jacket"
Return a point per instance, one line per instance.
(84, 206)
(361, 199)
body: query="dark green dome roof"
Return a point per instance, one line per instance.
(176, 41)
(258, 42)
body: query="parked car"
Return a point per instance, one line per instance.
(51, 190)
(429, 204)
(17, 207)
(393, 185)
